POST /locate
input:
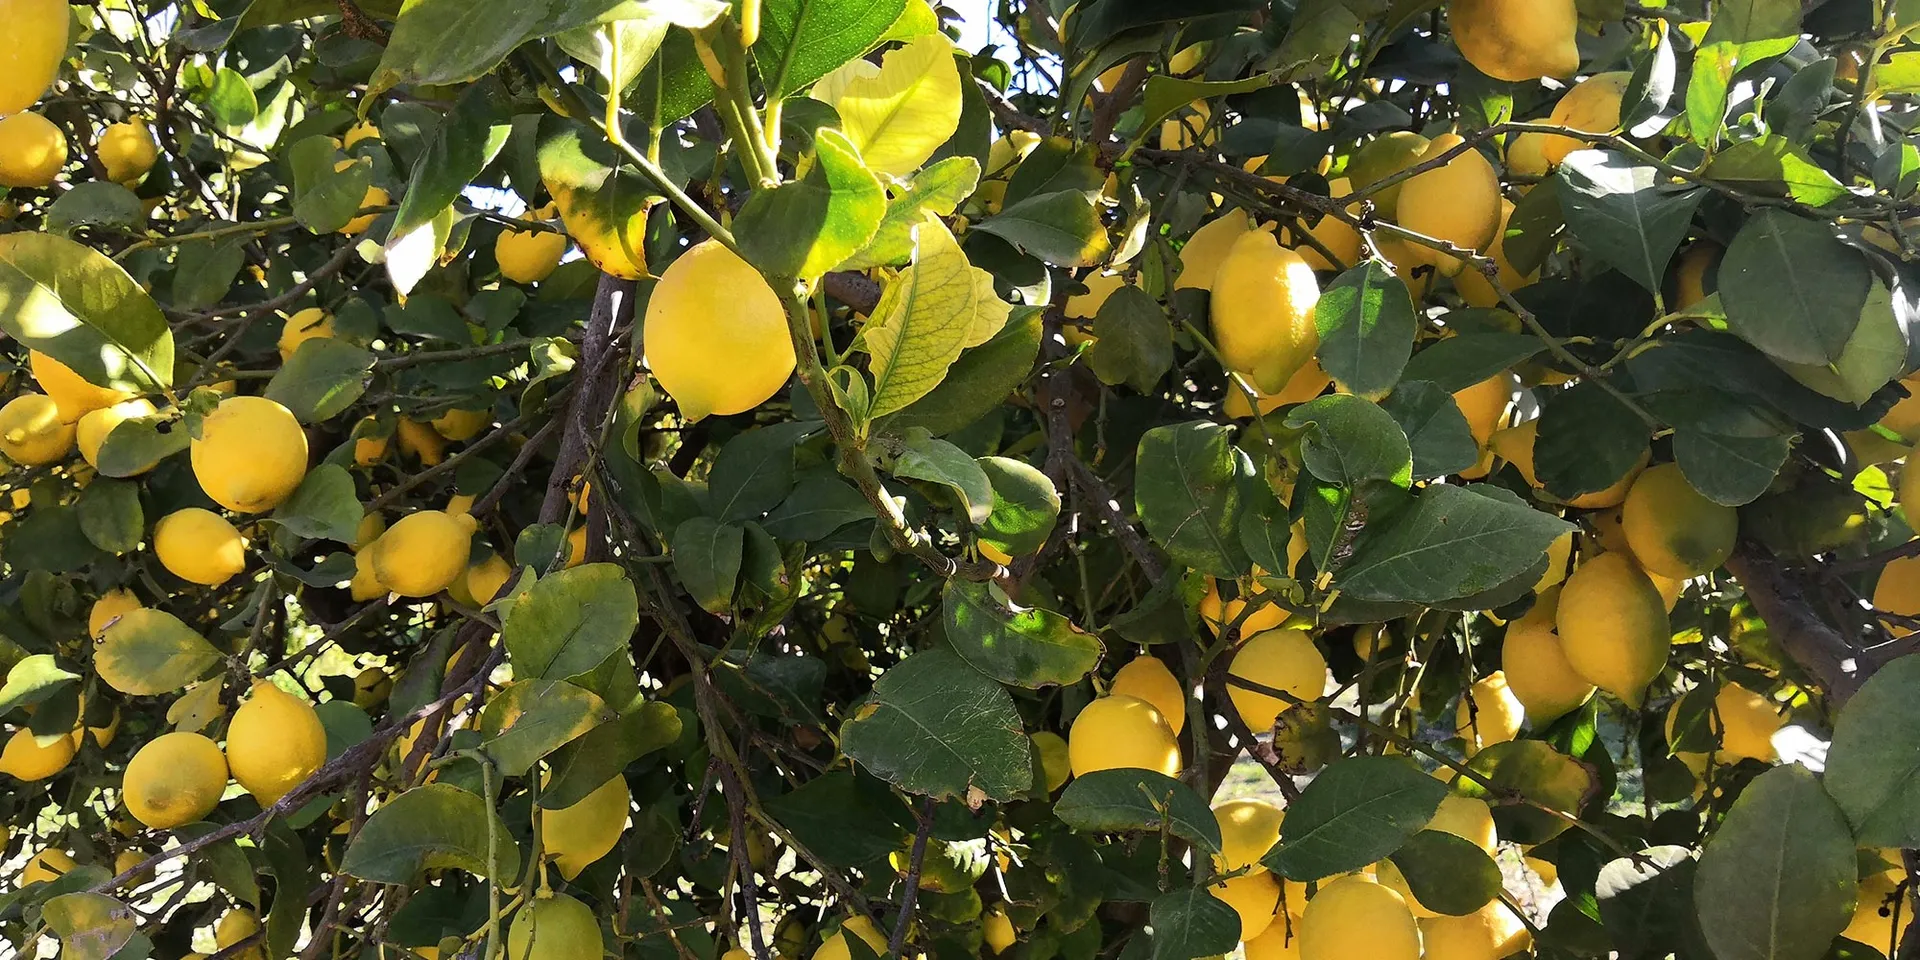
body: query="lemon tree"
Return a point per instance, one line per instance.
(707, 480)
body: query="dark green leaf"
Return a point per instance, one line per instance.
(844, 817)
(754, 471)
(1460, 361)
(817, 507)
(1871, 770)
(468, 139)
(1453, 542)
(1063, 228)
(203, 271)
(1436, 430)
(1532, 769)
(804, 40)
(935, 726)
(1187, 491)
(325, 199)
(1025, 506)
(1587, 441)
(322, 379)
(1134, 342)
(1025, 647)
(706, 555)
(111, 515)
(568, 623)
(1728, 469)
(1624, 213)
(428, 827)
(1791, 289)
(1647, 904)
(1355, 812)
(95, 203)
(1777, 881)
(1191, 922)
(1349, 439)
(937, 461)
(1138, 801)
(451, 41)
(529, 719)
(1447, 874)
(230, 102)
(324, 507)
(135, 446)
(1366, 325)
(583, 765)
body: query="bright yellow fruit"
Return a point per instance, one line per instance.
(1469, 819)
(1489, 714)
(366, 583)
(1337, 235)
(1248, 829)
(25, 759)
(369, 529)
(93, 428)
(1690, 287)
(1473, 285)
(1178, 132)
(1517, 40)
(835, 947)
(1898, 591)
(36, 44)
(1200, 259)
(484, 579)
(46, 867)
(1280, 942)
(251, 454)
(1873, 912)
(374, 197)
(1485, 404)
(1283, 660)
(423, 553)
(127, 150)
(1674, 531)
(1458, 202)
(1747, 722)
(75, 396)
(128, 859)
(529, 256)
(421, 442)
(1262, 310)
(1382, 157)
(576, 546)
(1217, 616)
(576, 836)
(997, 930)
(108, 608)
(1593, 105)
(175, 779)
(1148, 678)
(1613, 624)
(1489, 933)
(32, 151)
(1354, 917)
(1120, 733)
(1100, 285)
(1308, 382)
(1527, 157)
(32, 432)
(199, 546)
(1056, 764)
(1536, 665)
(364, 130)
(274, 741)
(371, 687)
(459, 425)
(236, 926)
(312, 323)
(1255, 897)
(716, 334)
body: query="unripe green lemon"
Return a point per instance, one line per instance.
(175, 779)
(556, 927)
(251, 454)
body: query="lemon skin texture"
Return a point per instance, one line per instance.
(459, 425)
(312, 323)
(127, 151)
(1149, 679)
(1055, 764)
(36, 43)
(274, 741)
(1122, 733)
(1262, 311)
(175, 779)
(1489, 933)
(1382, 157)
(421, 442)
(1489, 714)
(199, 546)
(578, 835)
(423, 553)
(46, 867)
(1217, 615)
(251, 454)
(374, 197)
(1200, 259)
(1354, 917)
(1458, 202)
(235, 926)
(997, 929)
(528, 256)
(1673, 530)
(91, 432)
(716, 334)
(32, 432)
(1473, 285)
(32, 151)
(24, 759)
(1536, 667)
(554, 928)
(1280, 942)
(1248, 829)
(1593, 105)
(1517, 40)
(75, 396)
(1613, 624)
(1255, 897)
(1747, 722)
(484, 579)
(1284, 660)
(835, 947)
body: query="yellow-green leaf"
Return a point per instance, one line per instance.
(935, 308)
(91, 926)
(898, 113)
(149, 652)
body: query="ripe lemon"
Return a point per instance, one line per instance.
(1248, 829)
(127, 150)
(555, 927)
(484, 579)
(365, 584)
(1458, 202)
(1873, 912)
(1309, 382)
(1149, 679)
(374, 197)
(32, 151)
(25, 759)
(1086, 306)
(1380, 158)
(1337, 235)
(1200, 259)
(997, 930)
(364, 130)
(1485, 404)
(36, 44)
(236, 926)
(1473, 285)
(1217, 616)
(109, 608)
(1180, 131)
(371, 687)
(1469, 819)
(312, 323)
(1280, 942)
(1747, 722)
(1262, 311)
(458, 425)
(423, 553)
(1354, 917)
(716, 334)
(1613, 626)
(251, 454)
(32, 432)
(1517, 40)
(1673, 530)
(369, 445)
(369, 529)
(1488, 714)
(75, 396)
(175, 779)
(46, 867)
(1690, 287)
(1898, 591)
(1055, 764)
(1536, 665)
(529, 256)
(1255, 897)
(835, 947)
(1489, 933)
(274, 741)
(1119, 733)
(421, 442)
(1593, 105)
(576, 836)
(93, 428)
(199, 546)
(1283, 660)
(1527, 157)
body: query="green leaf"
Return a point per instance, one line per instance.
(1446, 873)
(91, 926)
(600, 754)
(754, 471)
(230, 102)
(325, 199)
(1745, 21)
(1190, 922)
(899, 114)
(1437, 432)
(1349, 439)
(803, 227)
(1354, 812)
(135, 446)
(1317, 34)
(1460, 361)
(33, 680)
(977, 382)
(1138, 801)
(1777, 881)
(674, 84)
(844, 817)
(1453, 542)
(73, 304)
(1731, 468)
(618, 50)
(431, 827)
(451, 41)
(1164, 94)
(96, 203)
(1025, 506)
(1714, 65)
(1025, 647)
(1134, 342)
(322, 379)
(926, 316)
(1772, 166)
(468, 139)
(804, 40)
(1587, 441)
(532, 718)
(1791, 289)
(935, 726)
(1647, 903)
(1063, 228)
(816, 508)
(936, 189)
(149, 652)
(1871, 769)
(567, 623)
(937, 461)
(324, 507)
(204, 270)
(1187, 492)
(1532, 769)
(706, 555)
(1625, 214)
(1873, 356)
(111, 515)
(1366, 324)
(411, 255)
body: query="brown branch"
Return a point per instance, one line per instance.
(1780, 596)
(256, 312)
(612, 307)
(359, 26)
(911, 898)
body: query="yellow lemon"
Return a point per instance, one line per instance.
(1181, 131)
(251, 454)
(1747, 722)
(36, 44)
(1149, 679)
(369, 447)
(1489, 933)
(374, 197)
(1255, 897)
(1218, 616)
(1536, 666)
(484, 579)
(1337, 235)
(458, 425)
(1354, 917)
(1614, 626)
(1203, 253)
(1517, 40)
(421, 442)
(234, 928)
(1380, 158)
(109, 608)
(175, 779)
(1086, 306)
(1469, 819)
(1248, 829)
(371, 687)
(1593, 105)
(1485, 404)
(1262, 311)
(1280, 942)
(1527, 156)
(1898, 591)
(127, 150)
(997, 930)
(1122, 733)
(528, 256)
(46, 867)
(1489, 713)
(312, 323)
(369, 529)
(421, 554)
(1309, 382)
(835, 947)
(716, 334)
(32, 431)
(576, 836)
(75, 396)
(1473, 285)
(1283, 660)
(93, 428)
(1873, 912)
(366, 583)
(1458, 202)
(1690, 287)
(25, 759)
(1674, 531)
(32, 151)
(199, 546)
(274, 741)
(128, 859)
(364, 130)
(1055, 763)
